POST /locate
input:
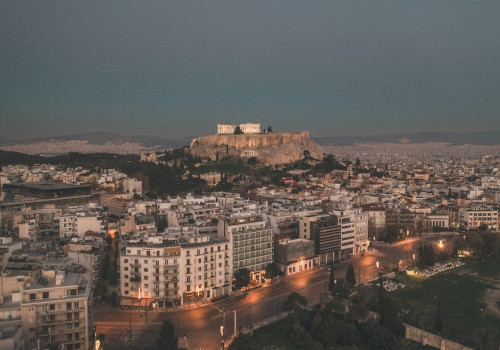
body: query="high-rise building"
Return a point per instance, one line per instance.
(252, 242)
(325, 231)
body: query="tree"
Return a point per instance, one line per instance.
(427, 255)
(272, 271)
(357, 163)
(483, 227)
(341, 289)
(269, 129)
(241, 278)
(238, 131)
(114, 299)
(350, 277)
(293, 302)
(167, 340)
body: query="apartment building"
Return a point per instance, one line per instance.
(252, 242)
(170, 270)
(325, 232)
(10, 313)
(354, 230)
(208, 268)
(79, 223)
(472, 218)
(56, 308)
(150, 269)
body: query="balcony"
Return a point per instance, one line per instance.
(135, 279)
(135, 265)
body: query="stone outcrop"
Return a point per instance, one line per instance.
(269, 148)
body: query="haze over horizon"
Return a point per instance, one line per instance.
(176, 69)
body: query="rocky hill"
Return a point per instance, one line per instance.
(269, 148)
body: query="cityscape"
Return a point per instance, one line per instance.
(227, 175)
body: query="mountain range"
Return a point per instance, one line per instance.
(102, 138)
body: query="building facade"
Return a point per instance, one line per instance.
(252, 242)
(56, 308)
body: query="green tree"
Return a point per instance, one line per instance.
(427, 255)
(350, 277)
(341, 289)
(238, 131)
(241, 278)
(269, 129)
(167, 340)
(272, 271)
(293, 302)
(483, 227)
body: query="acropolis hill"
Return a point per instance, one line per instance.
(268, 147)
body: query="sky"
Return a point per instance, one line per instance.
(177, 68)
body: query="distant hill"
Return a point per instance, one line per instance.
(101, 138)
(94, 142)
(471, 138)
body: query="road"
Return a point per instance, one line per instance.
(201, 324)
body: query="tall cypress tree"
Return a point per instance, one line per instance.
(350, 276)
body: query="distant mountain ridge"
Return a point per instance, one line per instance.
(102, 138)
(471, 138)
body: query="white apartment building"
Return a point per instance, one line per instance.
(173, 269)
(474, 217)
(78, 224)
(131, 185)
(354, 230)
(252, 242)
(207, 267)
(57, 308)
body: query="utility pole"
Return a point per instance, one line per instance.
(234, 311)
(130, 329)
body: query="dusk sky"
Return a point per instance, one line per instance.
(175, 69)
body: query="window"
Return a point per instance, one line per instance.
(125, 260)
(126, 268)
(33, 296)
(45, 295)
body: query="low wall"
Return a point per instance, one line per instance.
(430, 339)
